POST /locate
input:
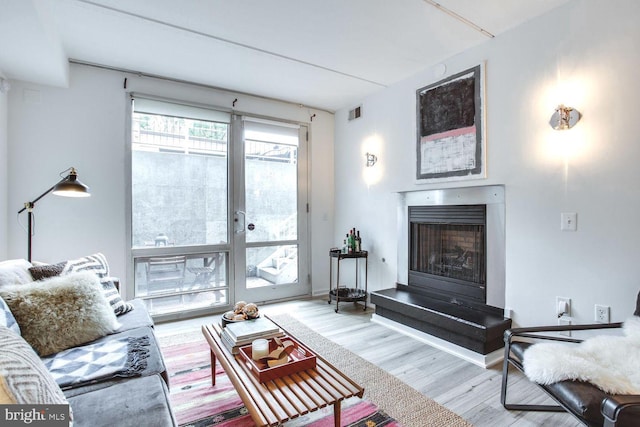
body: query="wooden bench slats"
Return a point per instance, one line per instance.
(320, 391)
(280, 397)
(273, 402)
(266, 405)
(339, 382)
(319, 379)
(289, 390)
(301, 392)
(307, 389)
(345, 380)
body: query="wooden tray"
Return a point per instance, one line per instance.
(300, 359)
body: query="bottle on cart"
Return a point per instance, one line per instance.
(358, 242)
(344, 246)
(349, 247)
(353, 240)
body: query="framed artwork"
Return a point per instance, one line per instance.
(450, 127)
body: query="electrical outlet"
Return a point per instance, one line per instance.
(563, 311)
(602, 313)
(563, 307)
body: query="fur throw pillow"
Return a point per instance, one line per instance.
(610, 362)
(62, 312)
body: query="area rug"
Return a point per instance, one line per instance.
(187, 357)
(199, 404)
(402, 402)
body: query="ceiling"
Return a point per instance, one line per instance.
(327, 54)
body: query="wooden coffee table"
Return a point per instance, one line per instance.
(274, 402)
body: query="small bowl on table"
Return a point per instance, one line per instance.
(224, 321)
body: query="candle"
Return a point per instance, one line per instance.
(259, 349)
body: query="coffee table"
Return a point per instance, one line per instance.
(274, 402)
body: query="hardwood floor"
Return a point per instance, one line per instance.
(466, 389)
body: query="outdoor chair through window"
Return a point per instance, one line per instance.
(165, 274)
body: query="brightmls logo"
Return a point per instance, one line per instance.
(34, 415)
(25, 416)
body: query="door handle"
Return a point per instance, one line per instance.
(237, 220)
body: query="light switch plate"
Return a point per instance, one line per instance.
(568, 221)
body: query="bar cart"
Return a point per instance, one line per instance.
(342, 293)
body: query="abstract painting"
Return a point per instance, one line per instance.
(450, 143)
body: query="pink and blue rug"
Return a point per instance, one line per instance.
(199, 404)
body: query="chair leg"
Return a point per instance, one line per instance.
(505, 375)
(503, 390)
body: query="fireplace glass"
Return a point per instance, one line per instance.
(454, 251)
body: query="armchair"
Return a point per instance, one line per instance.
(583, 400)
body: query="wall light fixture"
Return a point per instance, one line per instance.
(564, 118)
(4, 85)
(371, 159)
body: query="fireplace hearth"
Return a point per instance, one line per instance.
(448, 269)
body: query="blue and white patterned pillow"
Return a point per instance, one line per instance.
(7, 319)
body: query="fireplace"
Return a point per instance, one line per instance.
(450, 271)
(447, 251)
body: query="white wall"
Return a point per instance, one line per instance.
(84, 126)
(584, 55)
(4, 163)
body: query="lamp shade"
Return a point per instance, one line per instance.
(71, 187)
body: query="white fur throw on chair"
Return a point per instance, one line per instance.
(610, 362)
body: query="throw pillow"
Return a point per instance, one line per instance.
(14, 272)
(113, 296)
(62, 312)
(7, 319)
(44, 271)
(23, 377)
(96, 263)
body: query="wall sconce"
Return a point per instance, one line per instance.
(4, 85)
(564, 118)
(371, 159)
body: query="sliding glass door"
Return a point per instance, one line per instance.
(218, 208)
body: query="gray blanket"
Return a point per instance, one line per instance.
(118, 357)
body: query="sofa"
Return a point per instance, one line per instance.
(68, 338)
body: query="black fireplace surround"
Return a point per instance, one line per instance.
(446, 291)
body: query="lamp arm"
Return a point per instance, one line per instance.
(30, 205)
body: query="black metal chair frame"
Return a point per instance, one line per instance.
(611, 407)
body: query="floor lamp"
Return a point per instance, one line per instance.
(68, 186)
